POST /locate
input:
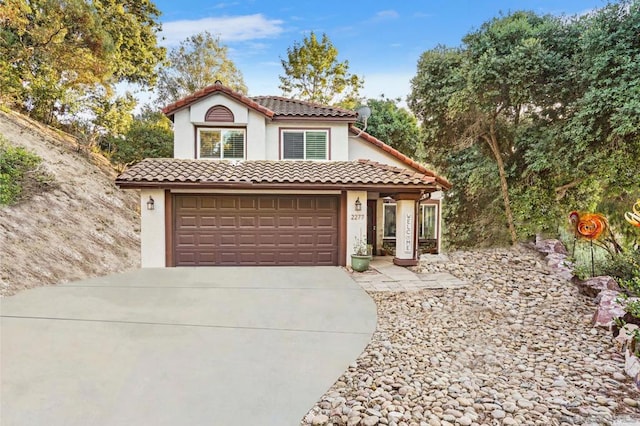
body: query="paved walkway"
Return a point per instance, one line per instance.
(180, 346)
(385, 276)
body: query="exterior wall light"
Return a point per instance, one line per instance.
(358, 205)
(150, 203)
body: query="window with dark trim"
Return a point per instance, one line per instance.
(222, 144)
(305, 144)
(389, 220)
(427, 222)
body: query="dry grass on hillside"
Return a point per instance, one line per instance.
(82, 226)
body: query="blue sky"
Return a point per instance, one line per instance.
(382, 40)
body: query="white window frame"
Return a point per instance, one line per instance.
(304, 144)
(221, 130)
(421, 231)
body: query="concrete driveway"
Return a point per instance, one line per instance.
(180, 346)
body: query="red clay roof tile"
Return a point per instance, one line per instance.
(362, 172)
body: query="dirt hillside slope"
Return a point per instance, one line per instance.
(83, 226)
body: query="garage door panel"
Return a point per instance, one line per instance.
(326, 240)
(265, 204)
(248, 221)
(286, 222)
(228, 221)
(306, 204)
(247, 203)
(207, 240)
(326, 203)
(227, 203)
(208, 222)
(208, 202)
(267, 222)
(228, 240)
(255, 230)
(286, 203)
(187, 222)
(306, 221)
(186, 240)
(326, 221)
(247, 240)
(187, 202)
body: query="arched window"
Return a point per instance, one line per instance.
(220, 114)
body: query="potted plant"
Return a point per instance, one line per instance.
(361, 256)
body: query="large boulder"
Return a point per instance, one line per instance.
(593, 286)
(608, 308)
(549, 246)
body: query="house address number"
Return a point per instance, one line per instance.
(357, 216)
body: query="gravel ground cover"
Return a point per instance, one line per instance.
(513, 347)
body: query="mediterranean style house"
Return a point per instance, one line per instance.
(273, 181)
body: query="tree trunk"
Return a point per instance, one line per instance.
(493, 144)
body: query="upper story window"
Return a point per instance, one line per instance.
(221, 144)
(305, 145)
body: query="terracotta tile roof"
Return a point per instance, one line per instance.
(184, 102)
(400, 156)
(271, 106)
(284, 107)
(164, 171)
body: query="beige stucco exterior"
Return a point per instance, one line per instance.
(263, 139)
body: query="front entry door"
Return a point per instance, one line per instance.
(371, 223)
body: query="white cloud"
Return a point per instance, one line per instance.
(386, 14)
(228, 28)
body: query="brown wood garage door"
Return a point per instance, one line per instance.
(255, 230)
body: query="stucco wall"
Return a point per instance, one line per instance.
(183, 135)
(152, 238)
(361, 149)
(200, 108)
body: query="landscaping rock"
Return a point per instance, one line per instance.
(549, 246)
(593, 286)
(514, 346)
(608, 309)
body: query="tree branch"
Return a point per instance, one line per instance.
(561, 191)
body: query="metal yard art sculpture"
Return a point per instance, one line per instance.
(588, 226)
(634, 217)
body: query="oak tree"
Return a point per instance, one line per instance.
(196, 63)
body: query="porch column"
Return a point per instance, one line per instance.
(406, 229)
(356, 221)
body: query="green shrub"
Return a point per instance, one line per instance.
(623, 267)
(16, 165)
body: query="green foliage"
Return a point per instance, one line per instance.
(196, 63)
(395, 126)
(632, 287)
(16, 165)
(313, 73)
(149, 135)
(479, 94)
(556, 101)
(624, 267)
(53, 51)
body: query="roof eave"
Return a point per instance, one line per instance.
(427, 186)
(400, 156)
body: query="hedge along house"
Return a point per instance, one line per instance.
(273, 181)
